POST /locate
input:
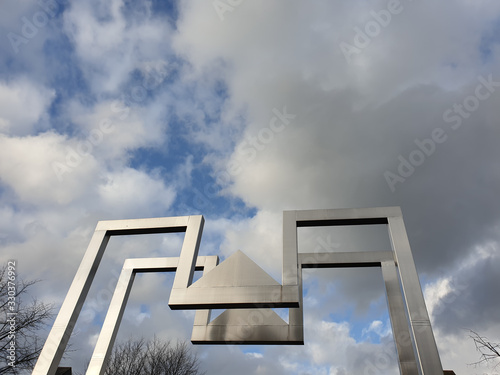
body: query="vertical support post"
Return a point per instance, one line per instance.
(189, 253)
(202, 317)
(290, 249)
(296, 315)
(420, 325)
(104, 345)
(60, 333)
(400, 329)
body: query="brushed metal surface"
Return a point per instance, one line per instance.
(60, 333)
(427, 361)
(290, 249)
(247, 326)
(131, 267)
(399, 323)
(239, 283)
(425, 344)
(252, 326)
(205, 298)
(189, 252)
(234, 297)
(345, 259)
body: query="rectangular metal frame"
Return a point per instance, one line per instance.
(404, 292)
(131, 267)
(60, 333)
(181, 295)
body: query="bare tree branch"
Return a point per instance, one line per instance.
(19, 324)
(490, 351)
(156, 357)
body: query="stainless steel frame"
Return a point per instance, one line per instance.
(259, 325)
(104, 345)
(404, 293)
(201, 296)
(60, 333)
(241, 286)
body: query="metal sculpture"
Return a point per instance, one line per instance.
(107, 336)
(248, 292)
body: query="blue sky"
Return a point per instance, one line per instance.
(238, 111)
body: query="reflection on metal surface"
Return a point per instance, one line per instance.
(248, 292)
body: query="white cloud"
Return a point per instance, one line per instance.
(132, 193)
(27, 167)
(255, 355)
(23, 107)
(331, 349)
(109, 46)
(116, 128)
(377, 327)
(434, 292)
(259, 238)
(266, 69)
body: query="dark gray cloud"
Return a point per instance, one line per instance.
(472, 303)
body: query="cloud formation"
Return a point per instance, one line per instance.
(238, 111)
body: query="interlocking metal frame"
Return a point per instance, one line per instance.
(131, 267)
(404, 293)
(252, 293)
(60, 333)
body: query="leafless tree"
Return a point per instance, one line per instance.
(156, 357)
(490, 351)
(20, 322)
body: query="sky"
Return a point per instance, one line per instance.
(239, 110)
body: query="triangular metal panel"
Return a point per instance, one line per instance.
(237, 270)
